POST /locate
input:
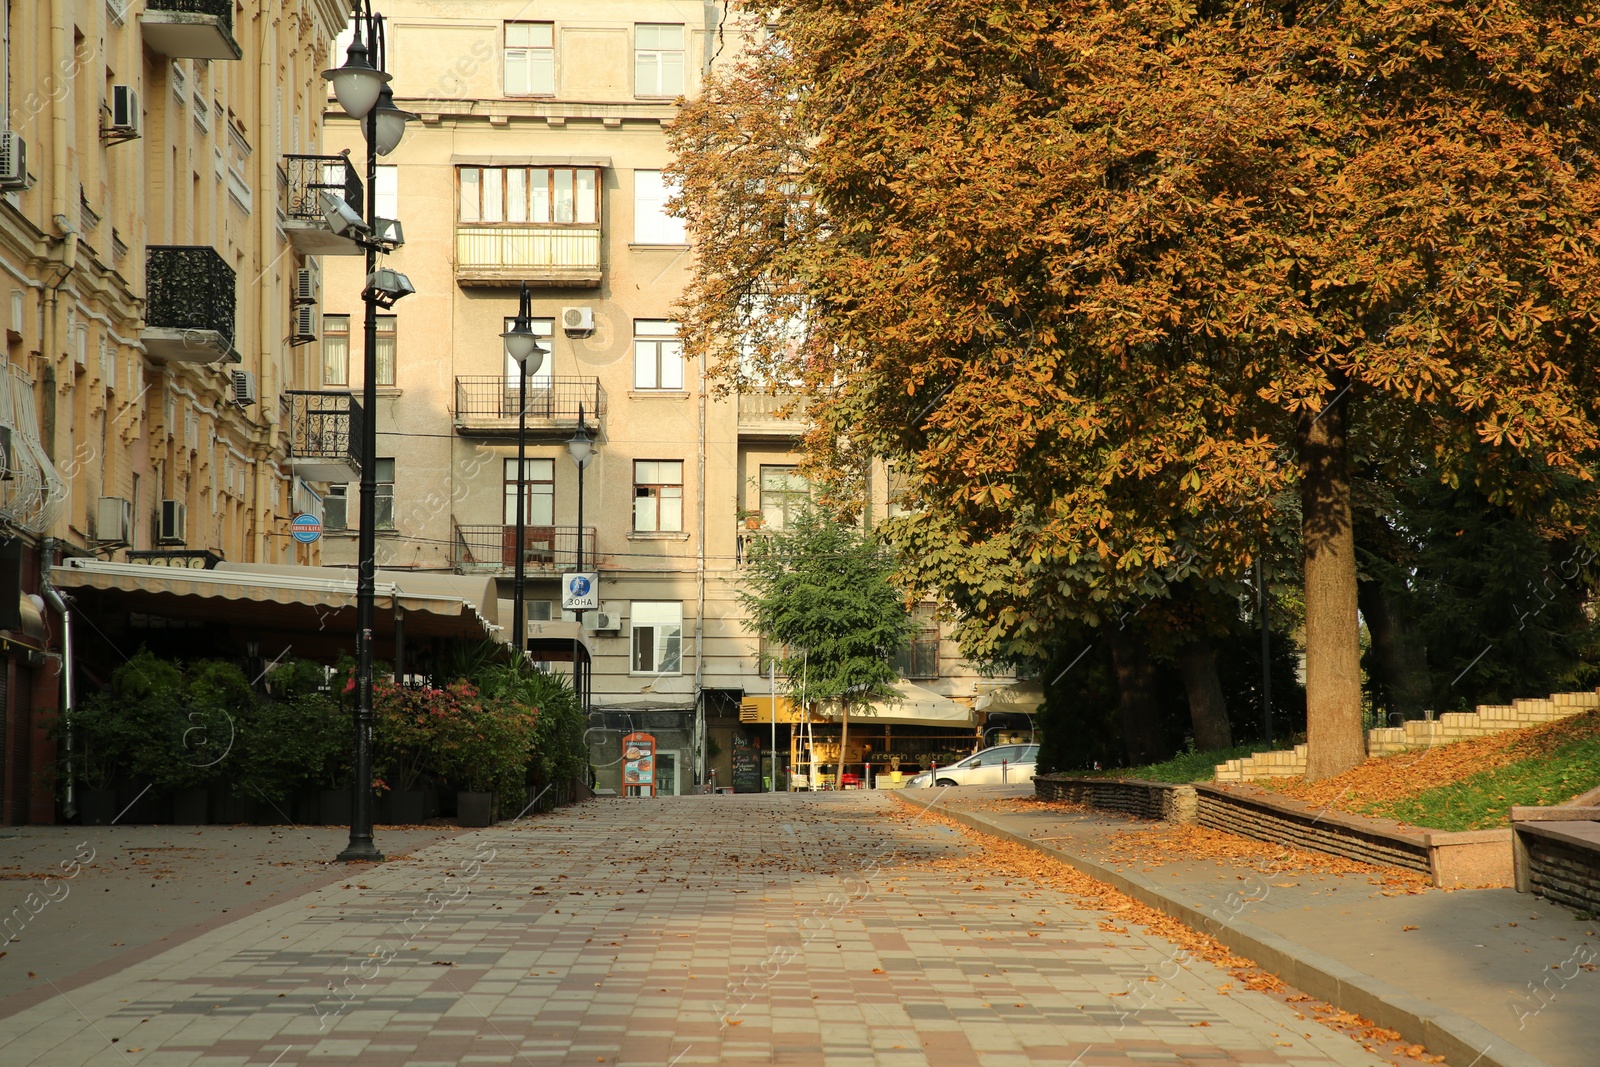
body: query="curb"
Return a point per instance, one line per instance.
(1462, 1042)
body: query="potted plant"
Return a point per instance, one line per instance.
(751, 518)
(287, 740)
(485, 751)
(96, 762)
(408, 724)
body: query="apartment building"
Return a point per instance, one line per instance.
(538, 160)
(151, 274)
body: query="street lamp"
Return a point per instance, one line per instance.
(362, 88)
(581, 449)
(523, 346)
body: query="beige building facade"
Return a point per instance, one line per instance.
(148, 274)
(538, 159)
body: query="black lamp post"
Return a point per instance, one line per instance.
(581, 449)
(362, 89)
(522, 346)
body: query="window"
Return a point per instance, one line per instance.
(539, 508)
(336, 350)
(530, 56)
(336, 508)
(657, 355)
(539, 379)
(383, 502)
(783, 494)
(386, 349)
(541, 610)
(657, 60)
(657, 495)
(920, 658)
(651, 223)
(386, 200)
(657, 636)
(522, 195)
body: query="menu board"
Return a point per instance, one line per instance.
(639, 763)
(746, 765)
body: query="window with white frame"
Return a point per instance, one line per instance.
(651, 223)
(657, 59)
(657, 631)
(657, 355)
(386, 349)
(386, 199)
(658, 495)
(539, 507)
(543, 329)
(530, 59)
(783, 494)
(383, 501)
(517, 196)
(336, 350)
(336, 508)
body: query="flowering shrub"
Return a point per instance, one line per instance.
(481, 744)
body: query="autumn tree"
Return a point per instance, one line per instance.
(1104, 278)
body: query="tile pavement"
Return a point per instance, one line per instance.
(741, 929)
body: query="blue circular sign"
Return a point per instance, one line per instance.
(578, 585)
(306, 528)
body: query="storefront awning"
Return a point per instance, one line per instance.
(915, 707)
(310, 600)
(1021, 698)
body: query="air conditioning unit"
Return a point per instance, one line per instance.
(577, 320)
(302, 324)
(606, 620)
(307, 286)
(174, 523)
(115, 521)
(244, 387)
(13, 161)
(126, 119)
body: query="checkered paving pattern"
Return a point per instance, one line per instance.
(791, 929)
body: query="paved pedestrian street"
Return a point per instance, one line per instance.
(794, 929)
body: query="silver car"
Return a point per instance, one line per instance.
(992, 766)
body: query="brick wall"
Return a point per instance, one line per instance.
(1128, 796)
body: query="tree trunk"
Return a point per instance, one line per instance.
(1333, 641)
(1208, 709)
(1393, 650)
(1136, 696)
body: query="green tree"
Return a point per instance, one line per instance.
(825, 593)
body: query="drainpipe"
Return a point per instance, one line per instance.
(266, 292)
(53, 597)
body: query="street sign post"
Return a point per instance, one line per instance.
(580, 591)
(305, 528)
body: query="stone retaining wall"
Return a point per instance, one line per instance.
(1280, 820)
(1558, 855)
(1128, 796)
(1422, 733)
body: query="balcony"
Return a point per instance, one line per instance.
(487, 405)
(190, 29)
(324, 435)
(190, 295)
(302, 181)
(760, 415)
(507, 256)
(547, 550)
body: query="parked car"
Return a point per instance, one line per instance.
(992, 766)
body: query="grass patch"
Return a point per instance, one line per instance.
(1482, 801)
(1185, 767)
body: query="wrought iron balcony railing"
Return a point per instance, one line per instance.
(546, 549)
(306, 177)
(190, 300)
(324, 435)
(488, 403)
(190, 29)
